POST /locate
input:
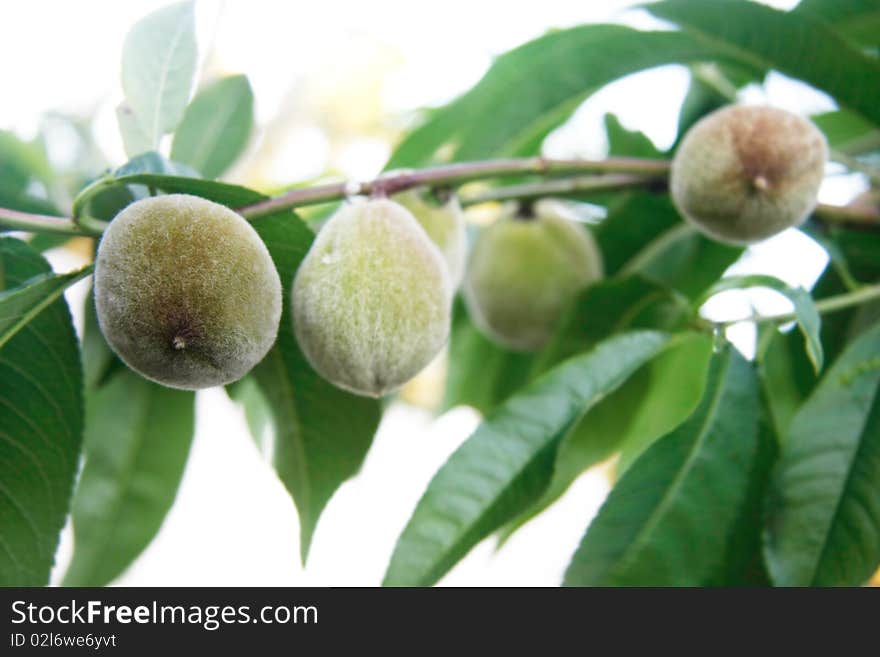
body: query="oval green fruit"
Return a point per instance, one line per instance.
(372, 299)
(524, 271)
(445, 225)
(185, 291)
(745, 173)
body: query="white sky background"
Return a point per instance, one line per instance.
(233, 523)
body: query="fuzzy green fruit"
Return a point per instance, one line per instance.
(523, 271)
(185, 292)
(372, 299)
(444, 224)
(742, 174)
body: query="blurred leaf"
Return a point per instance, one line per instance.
(857, 20)
(808, 319)
(159, 59)
(21, 304)
(138, 436)
(630, 143)
(668, 520)
(521, 95)
(216, 126)
(701, 99)
(792, 42)
(787, 376)
(823, 513)
(43, 242)
(99, 361)
(654, 400)
(861, 249)
(481, 373)
(846, 131)
(22, 164)
(257, 412)
(743, 563)
(643, 234)
(506, 463)
(134, 139)
(153, 162)
(322, 433)
(608, 307)
(41, 422)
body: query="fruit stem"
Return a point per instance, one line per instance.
(455, 174)
(824, 306)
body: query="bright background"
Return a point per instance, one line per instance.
(336, 83)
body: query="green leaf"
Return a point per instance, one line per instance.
(153, 162)
(216, 126)
(823, 513)
(322, 433)
(41, 421)
(505, 465)
(257, 412)
(787, 376)
(99, 361)
(793, 43)
(847, 131)
(643, 234)
(524, 91)
(20, 305)
(743, 563)
(608, 307)
(668, 520)
(808, 319)
(630, 143)
(857, 20)
(138, 436)
(159, 60)
(657, 398)
(481, 374)
(134, 139)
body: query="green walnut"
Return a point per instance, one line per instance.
(372, 299)
(523, 271)
(444, 223)
(185, 292)
(745, 173)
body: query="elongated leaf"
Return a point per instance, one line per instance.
(523, 92)
(20, 305)
(657, 398)
(159, 60)
(138, 436)
(791, 42)
(823, 513)
(506, 463)
(608, 307)
(847, 131)
(216, 126)
(257, 413)
(808, 319)
(41, 421)
(787, 376)
(669, 519)
(857, 20)
(643, 234)
(630, 143)
(482, 374)
(134, 139)
(322, 433)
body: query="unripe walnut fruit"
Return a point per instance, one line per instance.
(524, 270)
(372, 299)
(745, 173)
(444, 224)
(185, 292)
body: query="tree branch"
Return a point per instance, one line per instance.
(451, 175)
(40, 223)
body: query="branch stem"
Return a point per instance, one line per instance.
(40, 223)
(452, 175)
(824, 306)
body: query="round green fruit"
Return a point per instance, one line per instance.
(524, 270)
(185, 292)
(372, 299)
(745, 173)
(444, 223)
